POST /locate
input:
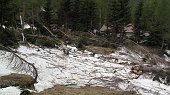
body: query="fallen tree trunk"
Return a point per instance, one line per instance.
(155, 69)
(150, 69)
(22, 65)
(151, 57)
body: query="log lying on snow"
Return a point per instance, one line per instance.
(161, 75)
(147, 69)
(22, 64)
(155, 69)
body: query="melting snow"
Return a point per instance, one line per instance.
(81, 69)
(166, 57)
(4, 70)
(10, 91)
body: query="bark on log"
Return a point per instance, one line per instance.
(153, 69)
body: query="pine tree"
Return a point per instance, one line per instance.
(76, 15)
(157, 23)
(102, 10)
(46, 15)
(64, 13)
(88, 15)
(93, 15)
(119, 12)
(7, 13)
(163, 17)
(138, 23)
(7, 18)
(148, 17)
(46, 18)
(119, 15)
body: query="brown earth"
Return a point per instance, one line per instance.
(62, 90)
(99, 50)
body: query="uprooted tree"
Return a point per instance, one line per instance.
(18, 63)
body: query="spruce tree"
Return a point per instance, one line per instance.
(88, 15)
(45, 15)
(119, 15)
(76, 15)
(8, 12)
(7, 18)
(138, 22)
(157, 23)
(64, 13)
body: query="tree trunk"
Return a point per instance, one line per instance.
(32, 26)
(100, 24)
(162, 46)
(22, 25)
(21, 62)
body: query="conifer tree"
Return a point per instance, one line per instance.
(119, 15)
(7, 13)
(138, 23)
(46, 15)
(158, 23)
(7, 18)
(88, 15)
(76, 15)
(64, 13)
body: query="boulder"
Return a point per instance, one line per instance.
(21, 80)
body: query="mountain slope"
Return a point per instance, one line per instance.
(83, 69)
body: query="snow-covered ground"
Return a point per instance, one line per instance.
(166, 57)
(10, 91)
(168, 51)
(81, 69)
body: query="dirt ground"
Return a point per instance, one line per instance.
(21, 80)
(99, 50)
(62, 90)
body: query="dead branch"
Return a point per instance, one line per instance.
(65, 34)
(52, 34)
(46, 28)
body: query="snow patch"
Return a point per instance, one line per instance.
(4, 64)
(166, 57)
(81, 69)
(152, 86)
(10, 91)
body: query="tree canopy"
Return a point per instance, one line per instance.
(86, 15)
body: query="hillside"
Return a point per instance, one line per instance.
(85, 47)
(85, 69)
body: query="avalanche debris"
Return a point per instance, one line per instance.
(81, 69)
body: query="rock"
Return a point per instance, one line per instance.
(21, 80)
(25, 92)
